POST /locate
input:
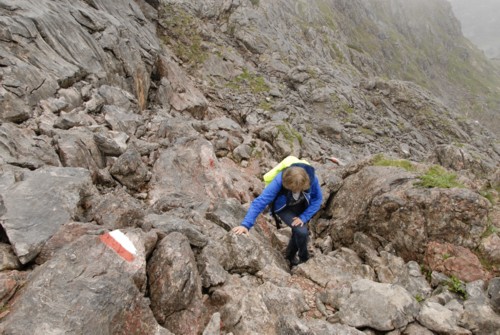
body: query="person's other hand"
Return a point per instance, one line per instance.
(297, 222)
(240, 230)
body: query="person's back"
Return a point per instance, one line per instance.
(296, 196)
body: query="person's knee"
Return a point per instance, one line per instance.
(301, 232)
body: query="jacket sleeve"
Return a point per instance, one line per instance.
(315, 204)
(260, 203)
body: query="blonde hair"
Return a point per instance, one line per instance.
(296, 179)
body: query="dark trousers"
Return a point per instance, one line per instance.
(298, 241)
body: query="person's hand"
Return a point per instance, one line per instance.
(240, 230)
(297, 222)
(335, 160)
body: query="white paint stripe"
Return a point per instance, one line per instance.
(124, 241)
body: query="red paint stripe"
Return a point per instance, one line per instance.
(117, 247)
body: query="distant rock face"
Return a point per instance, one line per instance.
(480, 23)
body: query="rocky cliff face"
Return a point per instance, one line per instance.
(480, 23)
(158, 118)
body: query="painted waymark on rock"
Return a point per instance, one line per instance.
(121, 244)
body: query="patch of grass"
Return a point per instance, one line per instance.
(182, 35)
(340, 107)
(426, 272)
(457, 286)
(265, 105)
(254, 82)
(490, 230)
(327, 14)
(255, 3)
(337, 53)
(289, 133)
(380, 160)
(446, 256)
(438, 177)
(355, 47)
(367, 131)
(419, 298)
(488, 194)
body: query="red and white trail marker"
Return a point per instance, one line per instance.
(121, 244)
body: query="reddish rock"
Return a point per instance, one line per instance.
(10, 282)
(455, 261)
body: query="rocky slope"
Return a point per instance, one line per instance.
(480, 23)
(159, 118)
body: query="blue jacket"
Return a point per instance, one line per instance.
(313, 197)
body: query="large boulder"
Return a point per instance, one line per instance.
(383, 203)
(175, 286)
(40, 203)
(21, 147)
(192, 170)
(384, 307)
(253, 308)
(455, 261)
(87, 296)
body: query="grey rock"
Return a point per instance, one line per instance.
(111, 143)
(213, 326)
(262, 306)
(178, 91)
(212, 272)
(246, 254)
(117, 209)
(121, 120)
(331, 272)
(379, 306)
(167, 223)
(66, 234)
(117, 97)
(21, 147)
(130, 170)
(291, 325)
(439, 319)
(8, 259)
(174, 285)
(180, 170)
(416, 329)
(480, 318)
(372, 197)
(39, 204)
(494, 293)
(77, 148)
(109, 293)
(73, 119)
(10, 283)
(227, 213)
